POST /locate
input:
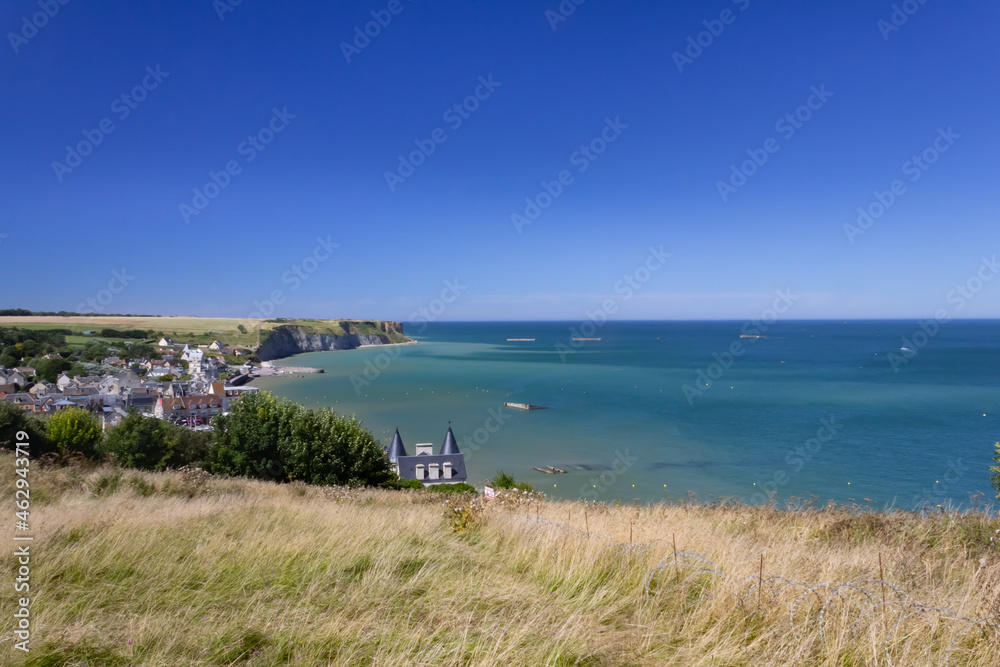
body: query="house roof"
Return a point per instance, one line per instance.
(396, 449)
(192, 402)
(449, 446)
(408, 464)
(81, 391)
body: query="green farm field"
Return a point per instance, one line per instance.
(195, 329)
(185, 329)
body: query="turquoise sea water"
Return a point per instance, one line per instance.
(830, 410)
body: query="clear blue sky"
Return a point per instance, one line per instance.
(323, 175)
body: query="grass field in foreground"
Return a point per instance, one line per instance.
(165, 569)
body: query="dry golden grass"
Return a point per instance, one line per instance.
(174, 569)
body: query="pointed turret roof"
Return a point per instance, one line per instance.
(396, 449)
(449, 446)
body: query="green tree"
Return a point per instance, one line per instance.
(143, 351)
(995, 477)
(138, 442)
(261, 437)
(49, 369)
(245, 442)
(75, 431)
(12, 420)
(30, 348)
(186, 447)
(94, 352)
(326, 448)
(148, 443)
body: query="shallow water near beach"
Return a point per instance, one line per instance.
(816, 410)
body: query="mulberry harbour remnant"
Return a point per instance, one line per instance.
(524, 406)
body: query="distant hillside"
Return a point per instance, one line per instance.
(203, 330)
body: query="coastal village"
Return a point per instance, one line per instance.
(186, 385)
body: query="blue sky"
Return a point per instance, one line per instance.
(200, 80)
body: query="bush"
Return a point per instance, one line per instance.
(75, 431)
(147, 443)
(138, 442)
(465, 515)
(504, 481)
(106, 483)
(128, 333)
(326, 448)
(461, 487)
(49, 369)
(245, 442)
(284, 441)
(185, 447)
(398, 483)
(141, 487)
(12, 420)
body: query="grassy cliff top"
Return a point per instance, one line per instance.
(341, 327)
(175, 569)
